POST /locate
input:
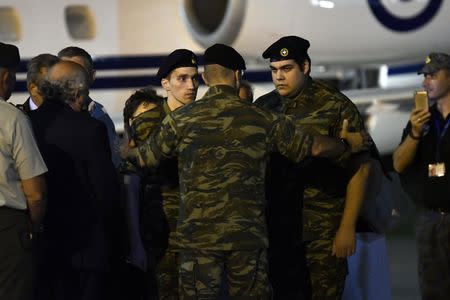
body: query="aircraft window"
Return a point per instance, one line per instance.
(80, 22)
(209, 14)
(10, 30)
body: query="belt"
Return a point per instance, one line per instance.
(9, 216)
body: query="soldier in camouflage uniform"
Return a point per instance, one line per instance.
(328, 228)
(222, 144)
(179, 77)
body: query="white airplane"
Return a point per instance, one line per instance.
(371, 48)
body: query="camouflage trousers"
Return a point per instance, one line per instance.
(167, 276)
(326, 272)
(202, 273)
(433, 247)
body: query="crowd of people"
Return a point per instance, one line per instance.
(221, 197)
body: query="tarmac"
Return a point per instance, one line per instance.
(402, 255)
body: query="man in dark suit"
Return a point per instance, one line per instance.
(36, 70)
(82, 188)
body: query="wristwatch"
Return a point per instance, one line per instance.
(413, 136)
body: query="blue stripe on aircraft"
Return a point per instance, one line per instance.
(149, 62)
(398, 70)
(145, 62)
(401, 24)
(135, 82)
(122, 62)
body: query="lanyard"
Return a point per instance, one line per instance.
(440, 135)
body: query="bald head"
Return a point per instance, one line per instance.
(67, 81)
(66, 71)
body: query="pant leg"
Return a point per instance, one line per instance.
(247, 274)
(200, 274)
(65, 282)
(167, 276)
(93, 285)
(16, 256)
(327, 273)
(127, 282)
(433, 239)
(368, 269)
(287, 271)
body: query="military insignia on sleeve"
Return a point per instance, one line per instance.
(427, 60)
(284, 52)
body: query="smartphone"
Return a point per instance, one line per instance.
(421, 99)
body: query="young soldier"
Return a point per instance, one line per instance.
(328, 221)
(143, 112)
(179, 77)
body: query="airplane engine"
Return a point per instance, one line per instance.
(341, 32)
(212, 22)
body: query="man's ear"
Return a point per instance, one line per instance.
(165, 84)
(205, 78)
(238, 76)
(93, 76)
(32, 88)
(79, 98)
(306, 67)
(4, 73)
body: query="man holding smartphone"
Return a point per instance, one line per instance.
(424, 153)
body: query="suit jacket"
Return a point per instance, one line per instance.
(82, 184)
(25, 107)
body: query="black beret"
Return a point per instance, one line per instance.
(435, 62)
(9, 56)
(177, 59)
(288, 47)
(225, 56)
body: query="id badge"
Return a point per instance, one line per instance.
(436, 170)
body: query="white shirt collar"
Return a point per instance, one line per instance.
(33, 105)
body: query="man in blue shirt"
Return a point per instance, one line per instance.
(95, 109)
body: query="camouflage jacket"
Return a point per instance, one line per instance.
(222, 144)
(321, 109)
(165, 175)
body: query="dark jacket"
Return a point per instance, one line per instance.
(25, 107)
(82, 184)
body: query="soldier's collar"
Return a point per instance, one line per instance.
(302, 91)
(221, 88)
(166, 107)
